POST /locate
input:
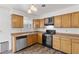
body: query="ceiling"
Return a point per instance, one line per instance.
(41, 10)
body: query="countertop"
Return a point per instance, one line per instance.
(25, 33)
(68, 34)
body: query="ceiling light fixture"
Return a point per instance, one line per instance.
(32, 9)
(29, 11)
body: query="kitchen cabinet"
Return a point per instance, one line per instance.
(31, 39)
(66, 44)
(34, 38)
(62, 43)
(40, 37)
(70, 20)
(75, 20)
(57, 21)
(56, 42)
(41, 23)
(66, 21)
(75, 45)
(17, 21)
(36, 23)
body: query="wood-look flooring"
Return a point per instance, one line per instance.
(36, 49)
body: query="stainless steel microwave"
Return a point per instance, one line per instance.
(49, 21)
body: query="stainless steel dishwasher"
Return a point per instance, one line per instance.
(21, 42)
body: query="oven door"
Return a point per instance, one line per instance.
(48, 40)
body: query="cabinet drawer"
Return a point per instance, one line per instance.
(75, 40)
(67, 38)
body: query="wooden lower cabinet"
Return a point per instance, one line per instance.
(75, 46)
(62, 43)
(66, 44)
(56, 42)
(40, 37)
(34, 38)
(31, 39)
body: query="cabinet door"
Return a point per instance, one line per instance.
(56, 42)
(29, 40)
(57, 21)
(40, 37)
(41, 23)
(66, 21)
(75, 20)
(17, 21)
(66, 44)
(36, 23)
(34, 38)
(75, 46)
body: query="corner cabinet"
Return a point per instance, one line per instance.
(40, 37)
(17, 21)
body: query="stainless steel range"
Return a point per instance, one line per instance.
(48, 37)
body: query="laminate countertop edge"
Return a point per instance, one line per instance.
(19, 33)
(68, 34)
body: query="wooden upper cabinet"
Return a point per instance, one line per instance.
(17, 21)
(57, 21)
(75, 20)
(41, 23)
(36, 23)
(66, 21)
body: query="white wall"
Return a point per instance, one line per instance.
(5, 24)
(60, 12)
